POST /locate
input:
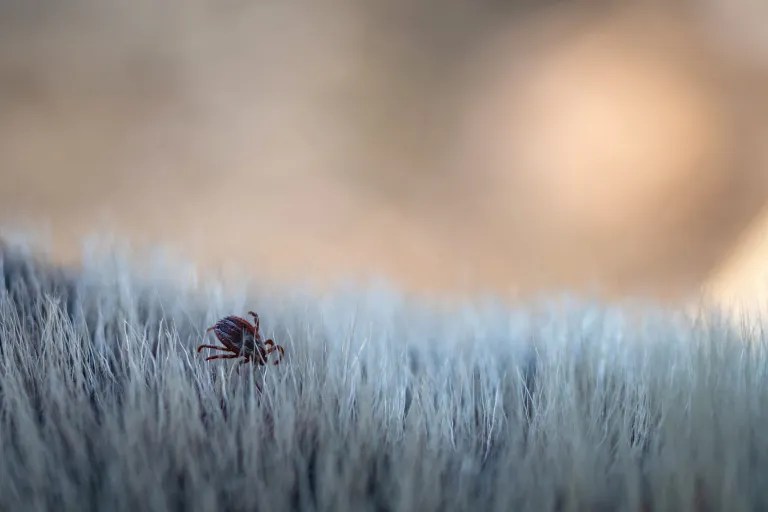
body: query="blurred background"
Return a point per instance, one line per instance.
(453, 146)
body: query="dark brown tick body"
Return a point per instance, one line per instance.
(243, 340)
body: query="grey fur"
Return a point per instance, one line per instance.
(383, 403)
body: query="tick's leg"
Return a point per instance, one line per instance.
(274, 348)
(255, 321)
(282, 353)
(201, 347)
(271, 344)
(225, 356)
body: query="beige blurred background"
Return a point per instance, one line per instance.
(453, 146)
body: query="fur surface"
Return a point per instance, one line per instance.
(382, 403)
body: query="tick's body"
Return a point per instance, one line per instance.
(243, 340)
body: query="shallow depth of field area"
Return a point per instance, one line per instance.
(383, 402)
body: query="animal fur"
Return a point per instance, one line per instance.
(383, 403)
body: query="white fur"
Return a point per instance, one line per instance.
(382, 403)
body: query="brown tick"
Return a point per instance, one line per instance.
(243, 340)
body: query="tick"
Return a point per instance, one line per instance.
(243, 340)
